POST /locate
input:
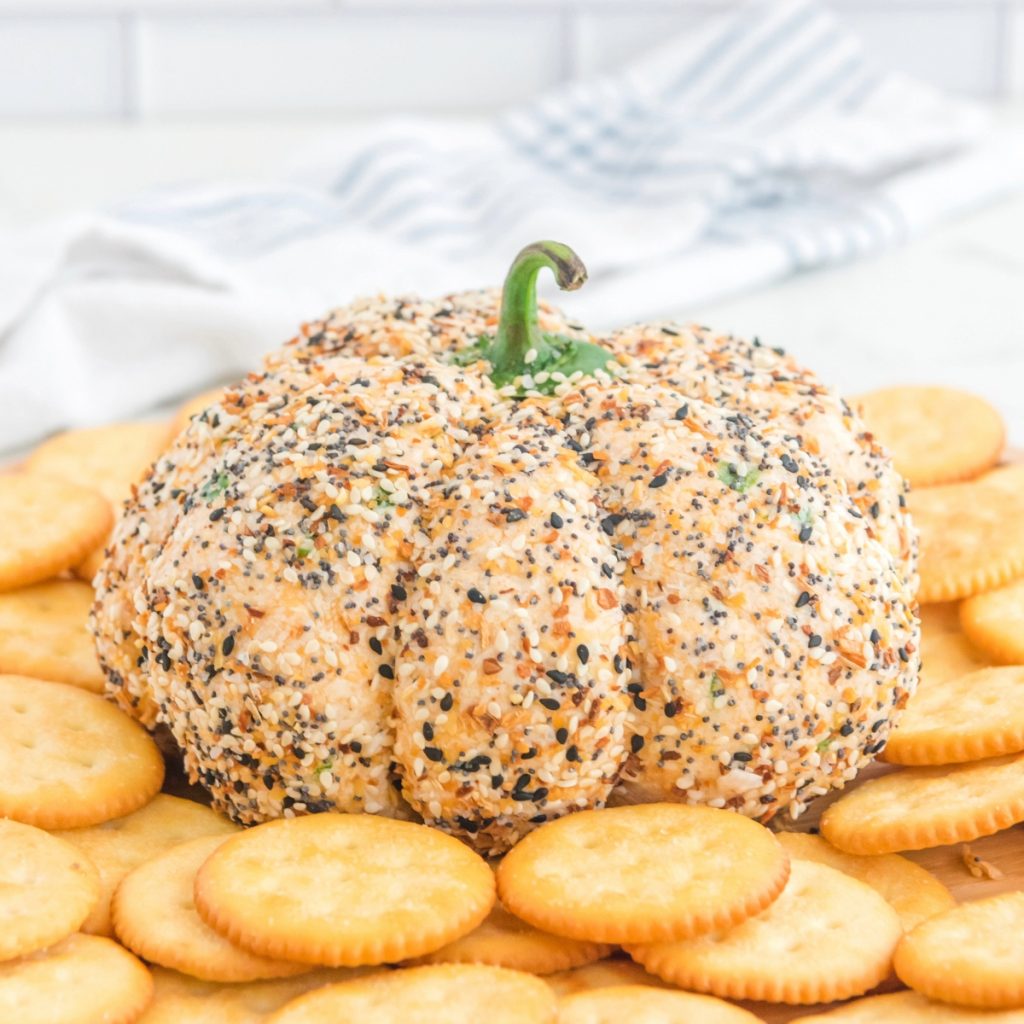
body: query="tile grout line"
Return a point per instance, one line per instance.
(128, 25)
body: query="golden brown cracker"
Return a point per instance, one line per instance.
(49, 526)
(909, 1008)
(827, 937)
(946, 652)
(642, 1004)
(911, 890)
(180, 999)
(935, 435)
(454, 993)
(44, 633)
(155, 917)
(109, 459)
(916, 808)
(642, 873)
(69, 758)
(994, 623)
(119, 846)
(971, 534)
(47, 889)
(966, 718)
(82, 980)
(504, 940)
(344, 889)
(972, 955)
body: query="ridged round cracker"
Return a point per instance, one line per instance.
(82, 980)
(70, 758)
(503, 940)
(994, 623)
(827, 937)
(910, 1008)
(453, 993)
(642, 873)
(344, 889)
(642, 1004)
(916, 808)
(935, 435)
(911, 890)
(154, 916)
(109, 458)
(48, 527)
(972, 955)
(946, 652)
(47, 889)
(119, 846)
(971, 534)
(968, 718)
(179, 999)
(44, 633)
(602, 974)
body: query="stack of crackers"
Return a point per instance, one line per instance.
(121, 903)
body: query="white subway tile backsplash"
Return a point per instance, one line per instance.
(954, 47)
(1013, 53)
(351, 61)
(278, 57)
(606, 39)
(65, 66)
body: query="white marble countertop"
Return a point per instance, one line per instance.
(944, 308)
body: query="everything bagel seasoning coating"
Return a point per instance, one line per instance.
(372, 579)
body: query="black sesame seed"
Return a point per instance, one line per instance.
(428, 731)
(846, 728)
(583, 653)
(376, 646)
(433, 754)
(398, 592)
(876, 637)
(557, 521)
(217, 513)
(742, 756)
(475, 596)
(636, 744)
(447, 701)
(790, 463)
(682, 412)
(197, 581)
(227, 644)
(803, 599)
(386, 671)
(814, 640)
(659, 481)
(805, 534)
(550, 703)
(572, 754)
(561, 735)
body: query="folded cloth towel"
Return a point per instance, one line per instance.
(764, 143)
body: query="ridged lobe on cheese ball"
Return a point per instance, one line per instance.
(510, 691)
(775, 636)
(139, 534)
(264, 615)
(385, 325)
(774, 388)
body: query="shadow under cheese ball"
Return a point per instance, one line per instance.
(462, 559)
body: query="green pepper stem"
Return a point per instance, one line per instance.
(518, 329)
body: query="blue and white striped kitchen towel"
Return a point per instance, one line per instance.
(762, 143)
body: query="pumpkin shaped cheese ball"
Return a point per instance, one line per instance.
(462, 559)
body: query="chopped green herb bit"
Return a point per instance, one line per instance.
(730, 475)
(215, 488)
(716, 689)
